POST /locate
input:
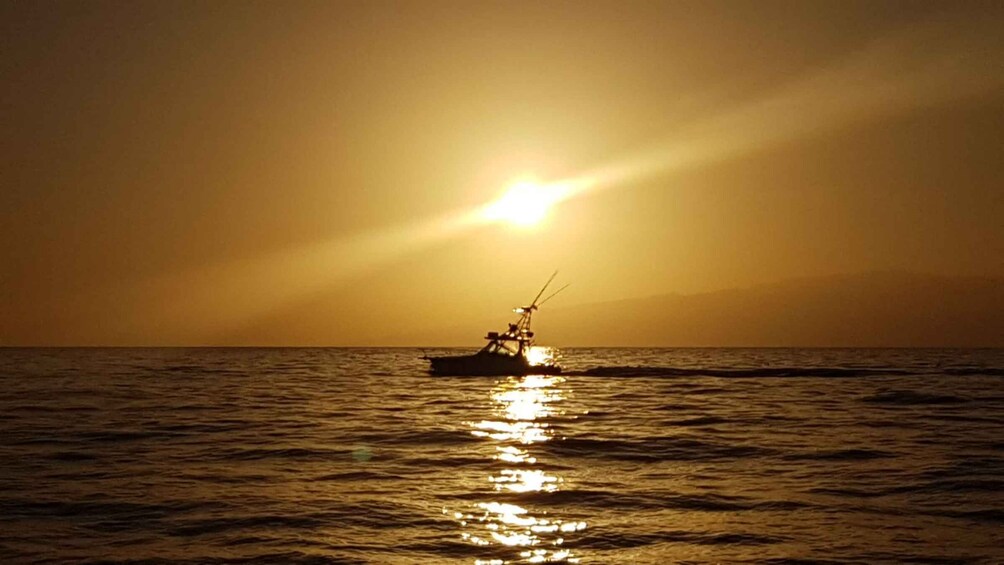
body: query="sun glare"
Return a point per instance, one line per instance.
(524, 204)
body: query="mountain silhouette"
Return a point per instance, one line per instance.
(878, 309)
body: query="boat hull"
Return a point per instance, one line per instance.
(486, 364)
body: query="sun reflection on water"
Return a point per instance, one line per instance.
(521, 408)
(537, 355)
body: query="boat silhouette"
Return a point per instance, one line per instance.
(507, 352)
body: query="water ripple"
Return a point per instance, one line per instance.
(633, 456)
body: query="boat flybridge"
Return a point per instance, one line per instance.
(507, 352)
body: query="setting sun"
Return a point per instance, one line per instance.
(524, 204)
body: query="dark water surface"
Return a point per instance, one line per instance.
(358, 456)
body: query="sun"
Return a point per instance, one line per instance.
(524, 204)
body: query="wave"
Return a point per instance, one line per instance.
(840, 455)
(993, 515)
(623, 540)
(910, 398)
(13, 508)
(655, 449)
(700, 421)
(288, 453)
(635, 501)
(293, 557)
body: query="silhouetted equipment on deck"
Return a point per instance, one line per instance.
(506, 352)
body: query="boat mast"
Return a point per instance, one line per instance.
(523, 332)
(519, 331)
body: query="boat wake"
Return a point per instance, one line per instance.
(780, 372)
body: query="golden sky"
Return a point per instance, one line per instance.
(188, 173)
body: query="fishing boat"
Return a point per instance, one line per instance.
(507, 352)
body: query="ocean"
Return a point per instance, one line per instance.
(632, 456)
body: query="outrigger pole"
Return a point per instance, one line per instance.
(533, 305)
(553, 294)
(527, 311)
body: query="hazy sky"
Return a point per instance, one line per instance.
(304, 172)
